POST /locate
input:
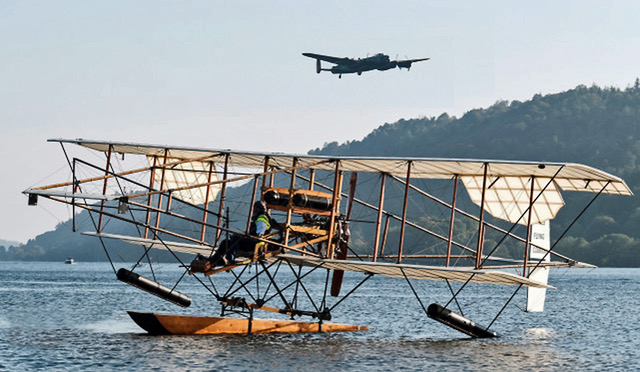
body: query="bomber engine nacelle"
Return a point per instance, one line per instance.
(388, 66)
(318, 66)
(404, 64)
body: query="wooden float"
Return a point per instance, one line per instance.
(169, 324)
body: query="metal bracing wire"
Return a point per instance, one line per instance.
(414, 291)
(369, 275)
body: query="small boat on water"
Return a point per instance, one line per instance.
(70, 261)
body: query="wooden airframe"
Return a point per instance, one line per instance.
(315, 208)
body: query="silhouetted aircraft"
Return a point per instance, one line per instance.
(380, 62)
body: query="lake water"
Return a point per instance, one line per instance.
(73, 317)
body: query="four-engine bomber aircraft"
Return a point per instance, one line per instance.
(380, 62)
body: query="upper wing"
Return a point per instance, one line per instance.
(507, 197)
(330, 59)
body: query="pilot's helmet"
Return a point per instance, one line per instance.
(259, 208)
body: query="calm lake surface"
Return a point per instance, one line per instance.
(73, 317)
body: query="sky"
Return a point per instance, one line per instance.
(230, 74)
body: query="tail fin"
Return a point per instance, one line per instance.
(539, 236)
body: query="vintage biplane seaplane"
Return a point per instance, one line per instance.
(187, 200)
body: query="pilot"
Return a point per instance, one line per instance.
(243, 246)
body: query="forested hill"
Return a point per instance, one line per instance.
(595, 126)
(588, 125)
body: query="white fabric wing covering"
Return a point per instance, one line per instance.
(508, 197)
(508, 182)
(188, 174)
(455, 274)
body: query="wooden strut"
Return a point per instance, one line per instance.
(162, 175)
(292, 186)
(481, 223)
(337, 184)
(384, 235)
(206, 203)
(150, 197)
(104, 188)
(404, 211)
(376, 243)
(253, 200)
(222, 196)
(398, 218)
(312, 178)
(526, 246)
(416, 256)
(264, 177)
(453, 215)
(76, 187)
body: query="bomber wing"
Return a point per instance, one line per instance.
(406, 63)
(330, 59)
(413, 60)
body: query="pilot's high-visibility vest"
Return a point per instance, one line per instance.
(264, 218)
